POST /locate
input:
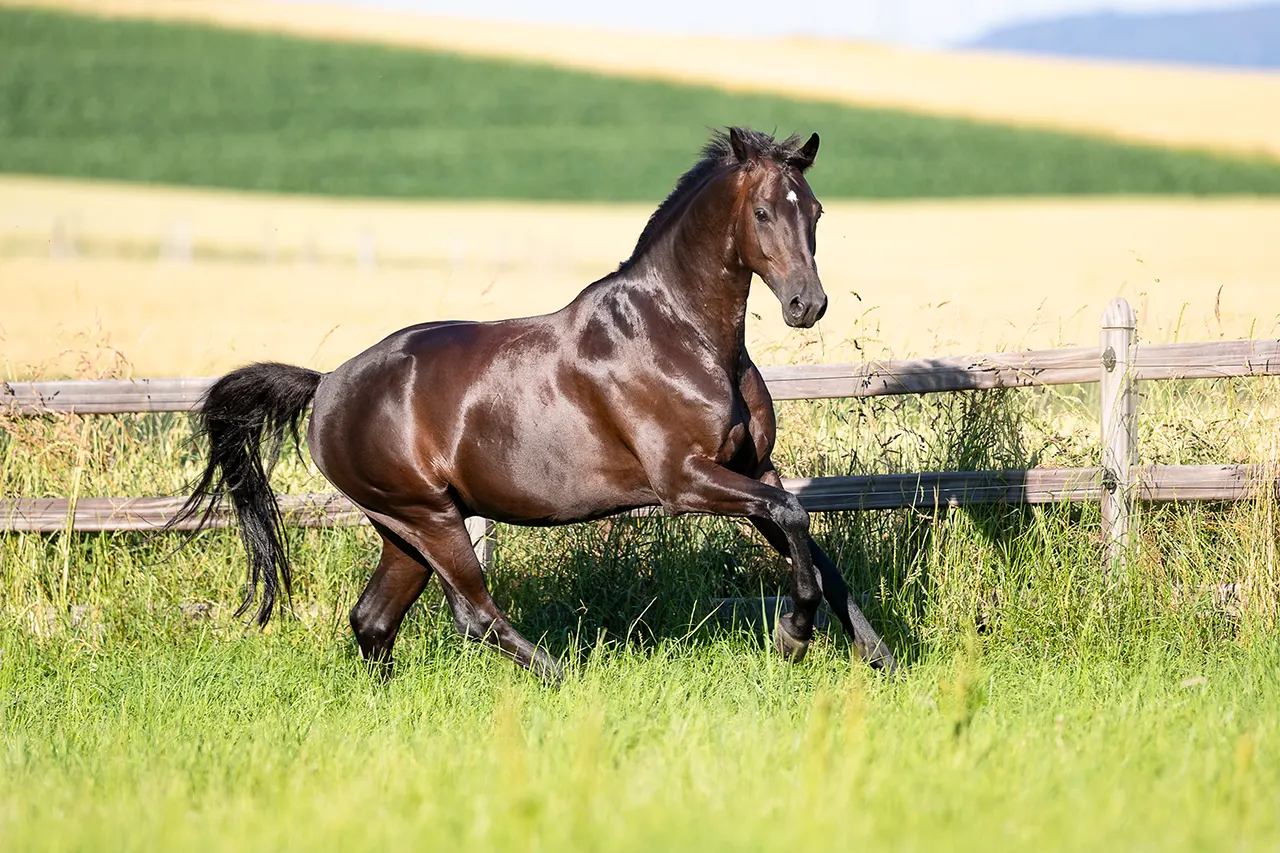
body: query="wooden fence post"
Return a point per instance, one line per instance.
(176, 244)
(481, 531)
(62, 244)
(366, 252)
(1119, 433)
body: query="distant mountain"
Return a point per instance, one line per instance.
(1243, 38)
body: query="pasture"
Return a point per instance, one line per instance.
(360, 120)
(1038, 688)
(1045, 703)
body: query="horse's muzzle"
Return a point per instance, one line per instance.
(804, 310)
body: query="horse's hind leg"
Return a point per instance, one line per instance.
(395, 585)
(440, 537)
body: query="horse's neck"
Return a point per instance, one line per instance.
(705, 277)
(693, 270)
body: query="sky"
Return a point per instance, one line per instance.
(917, 23)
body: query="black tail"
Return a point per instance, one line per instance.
(243, 411)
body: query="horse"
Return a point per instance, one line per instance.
(638, 393)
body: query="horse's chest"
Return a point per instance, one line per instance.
(733, 443)
(737, 448)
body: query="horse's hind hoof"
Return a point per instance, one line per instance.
(882, 659)
(791, 649)
(548, 669)
(876, 653)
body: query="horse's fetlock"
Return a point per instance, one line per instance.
(471, 625)
(807, 597)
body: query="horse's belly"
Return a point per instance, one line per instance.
(549, 472)
(554, 499)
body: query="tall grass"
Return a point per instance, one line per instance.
(1039, 689)
(184, 104)
(925, 575)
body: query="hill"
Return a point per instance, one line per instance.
(1241, 38)
(1160, 104)
(196, 105)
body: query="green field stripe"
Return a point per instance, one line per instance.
(197, 105)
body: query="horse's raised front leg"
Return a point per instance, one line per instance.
(439, 536)
(706, 487)
(868, 643)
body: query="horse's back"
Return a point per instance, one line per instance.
(498, 415)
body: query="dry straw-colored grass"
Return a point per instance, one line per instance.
(1230, 110)
(281, 277)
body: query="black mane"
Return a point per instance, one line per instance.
(717, 154)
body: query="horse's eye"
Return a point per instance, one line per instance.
(761, 214)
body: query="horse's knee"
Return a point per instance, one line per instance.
(789, 514)
(792, 519)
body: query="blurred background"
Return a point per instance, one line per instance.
(187, 185)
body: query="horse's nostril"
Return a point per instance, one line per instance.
(821, 310)
(796, 306)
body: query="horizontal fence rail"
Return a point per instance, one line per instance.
(1117, 363)
(1155, 483)
(1076, 365)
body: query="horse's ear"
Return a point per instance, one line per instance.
(739, 145)
(803, 158)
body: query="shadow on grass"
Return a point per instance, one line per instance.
(642, 581)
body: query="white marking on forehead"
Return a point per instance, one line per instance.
(792, 197)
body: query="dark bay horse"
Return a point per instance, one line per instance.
(638, 393)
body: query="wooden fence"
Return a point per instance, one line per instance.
(1117, 482)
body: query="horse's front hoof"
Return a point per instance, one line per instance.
(791, 649)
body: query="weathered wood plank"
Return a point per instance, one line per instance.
(929, 375)
(1077, 365)
(96, 515)
(889, 491)
(104, 396)
(1212, 360)
(1153, 483)
(1174, 483)
(947, 488)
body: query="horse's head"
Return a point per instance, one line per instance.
(777, 226)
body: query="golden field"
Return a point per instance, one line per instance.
(1231, 110)
(314, 280)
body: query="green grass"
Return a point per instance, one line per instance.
(201, 741)
(141, 101)
(1045, 704)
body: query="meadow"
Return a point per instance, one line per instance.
(1045, 702)
(282, 277)
(137, 712)
(187, 104)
